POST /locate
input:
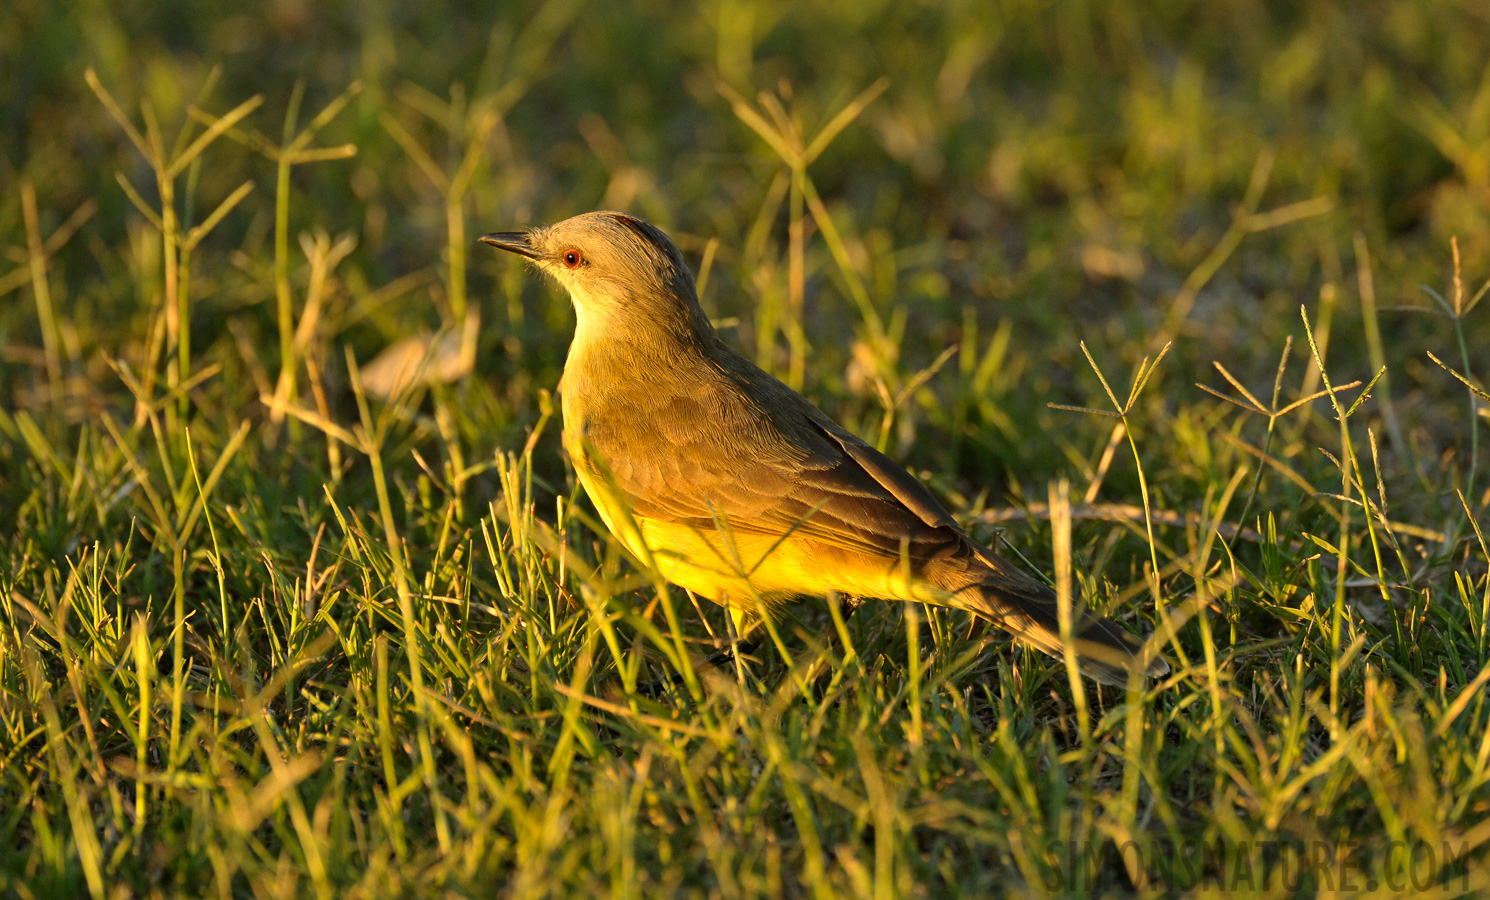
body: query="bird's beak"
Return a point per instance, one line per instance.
(511, 241)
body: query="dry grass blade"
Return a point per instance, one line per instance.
(1289, 214)
(213, 132)
(415, 152)
(1256, 404)
(1327, 392)
(1146, 371)
(765, 130)
(618, 710)
(323, 118)
(322, 154)
(1469, 694)
(1102, 378)
(117, 114)
(140, 205)
(195, 236)
(313, 419)
(844, 118)
(1232, 400)
(841, 258)
(1365, 392)
(1086, 409)
(1474, 388)
(251, 139)
(46, 318)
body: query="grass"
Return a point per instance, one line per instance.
(1183, 304)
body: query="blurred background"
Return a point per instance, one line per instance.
(1062, 167)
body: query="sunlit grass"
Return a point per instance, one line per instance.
(282, 615)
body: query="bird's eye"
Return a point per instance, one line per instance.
(573, 258)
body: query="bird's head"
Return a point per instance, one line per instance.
(619, 270)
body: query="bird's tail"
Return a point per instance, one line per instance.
(1030, 612)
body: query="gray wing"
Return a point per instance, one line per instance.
(745, 449)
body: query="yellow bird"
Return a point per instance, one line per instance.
(734, 484)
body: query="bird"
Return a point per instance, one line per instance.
(735, 486)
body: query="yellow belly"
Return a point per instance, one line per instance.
(738, 567)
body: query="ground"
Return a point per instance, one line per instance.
(278, 620)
